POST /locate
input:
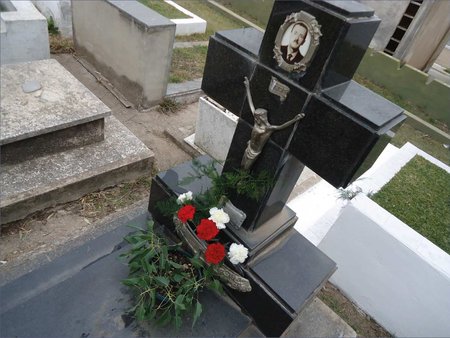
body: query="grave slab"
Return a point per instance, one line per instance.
(61, 177)
(285, 274)
(297, 107)
(60, 115)
(89, 299)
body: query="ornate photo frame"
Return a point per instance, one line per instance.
(305, 26)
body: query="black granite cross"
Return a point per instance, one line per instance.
(345, 127)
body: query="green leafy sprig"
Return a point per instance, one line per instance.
(166, 281)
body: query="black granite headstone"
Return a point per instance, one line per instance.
(284, 278)
(337, 134)
(303, 64)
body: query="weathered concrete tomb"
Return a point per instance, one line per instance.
(58, 140)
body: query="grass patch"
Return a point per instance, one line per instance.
(192, 37)
(51, 26)
(164, 9)
(407, 105)
(60, 45)
(244, 14)
(407, 133)
(363, 325)
(168, 106)
(216, 20)
(187, 64)
(102, 203)
(419, 195)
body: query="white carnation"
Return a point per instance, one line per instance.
(219, 217)
(238, 253)
(183, 198)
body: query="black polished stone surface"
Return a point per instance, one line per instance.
(270, 315)
(80, 295)
(349, 52)
(256, 240)
(246, 39)
(349, 8)
(341, 46)
(276, 220)
(330, 143)
(225, 69)
(284, 279)
(364, 104)
(279, 111)
(299, 268)
(289, 260)
(279, 195)
(269, 161)
(330, 35)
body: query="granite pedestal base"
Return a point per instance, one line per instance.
(284, 269)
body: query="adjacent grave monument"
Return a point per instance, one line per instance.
(58, 141)
(297, 106)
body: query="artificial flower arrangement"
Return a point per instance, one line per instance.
(167, 280)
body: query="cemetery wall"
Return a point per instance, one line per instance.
(393, 273)
(60, 11)
(408, 83)
(23, 34)
(390, 14)
(128, 43)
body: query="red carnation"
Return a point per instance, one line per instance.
(207, 229)
(215, 253)
(186, 213)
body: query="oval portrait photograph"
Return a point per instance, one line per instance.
(297, 41)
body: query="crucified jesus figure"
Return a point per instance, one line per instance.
(262, 129)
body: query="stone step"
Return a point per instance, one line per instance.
(318, 320)
(61, 177)
(45, 109)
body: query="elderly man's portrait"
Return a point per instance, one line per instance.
(295, 43)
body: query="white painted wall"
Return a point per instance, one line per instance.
(187, 26)
(214, 129)
(393, 273)
(23, 34)
(128, 43)
(60, 11)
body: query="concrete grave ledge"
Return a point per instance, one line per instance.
(45, 181)
(403, 262)
(60, 11)
(60, 93)
(185, 92)
(318, 320)
(192, 25)
(73, 115)
(390, 271)
(23, 33)
(131, 46)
